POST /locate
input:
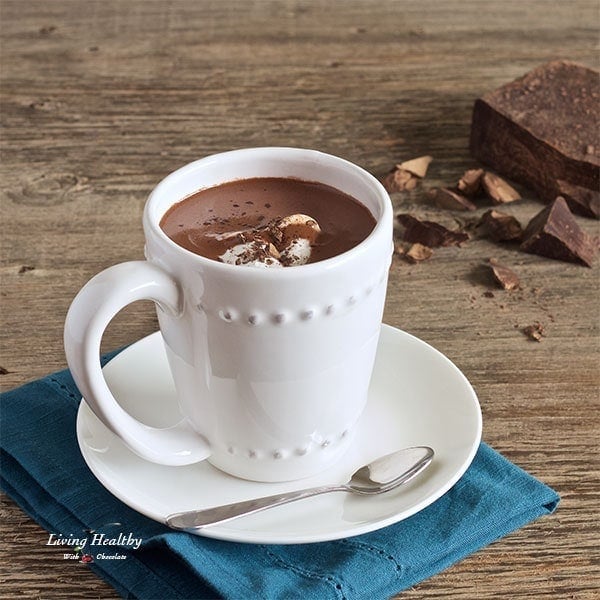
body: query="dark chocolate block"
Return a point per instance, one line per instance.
(554, 233)
(542, 130)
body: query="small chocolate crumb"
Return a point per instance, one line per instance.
(451, 200)
(499, 226)
(535, 332)
(25, 268)
(498, 189)
(4, 371)
(506, 277)
(429, 233)
(489, 294)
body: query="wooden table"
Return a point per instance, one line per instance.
(101, 99)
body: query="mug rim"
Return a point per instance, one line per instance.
(151, 221)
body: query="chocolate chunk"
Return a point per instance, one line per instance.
(405, 176)
(447, 198)
(541, 128)
(418, 253)
(399, 180)
(554, 233)
(505, 276)
(498, 189)
(580, 200)
(429, 233)
(416, 166)
(470, 183)
(499, 226)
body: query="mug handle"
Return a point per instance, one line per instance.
(91, 311)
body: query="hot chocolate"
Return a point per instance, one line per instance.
(268, 221)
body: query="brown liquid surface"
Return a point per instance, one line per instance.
(197, 222)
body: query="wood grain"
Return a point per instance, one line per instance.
(100, 100)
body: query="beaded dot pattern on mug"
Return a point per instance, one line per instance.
(282, 317)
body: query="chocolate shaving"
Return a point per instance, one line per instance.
(506, 277)
(499, 226)
(554, 233)
(449, 199)
(498, 189)
(271, 232)
(429, 233)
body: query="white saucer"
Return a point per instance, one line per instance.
(417, 397)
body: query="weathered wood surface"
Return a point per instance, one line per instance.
(101, 99)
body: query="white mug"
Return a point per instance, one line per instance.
(271, 366)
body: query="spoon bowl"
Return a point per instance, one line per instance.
(390, 471)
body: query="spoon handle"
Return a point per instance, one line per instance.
(196, 519)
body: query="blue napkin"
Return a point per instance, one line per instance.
(43, 471)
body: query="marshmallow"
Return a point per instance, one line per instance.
(256, 253)
(298, 227)
(297, 252)
(285, 242)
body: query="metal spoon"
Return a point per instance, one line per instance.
(382, 475)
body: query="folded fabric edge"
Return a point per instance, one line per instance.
(477, 544)
(104, 569)
(546, 504)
